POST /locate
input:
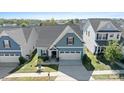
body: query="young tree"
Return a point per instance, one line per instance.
(113, 51)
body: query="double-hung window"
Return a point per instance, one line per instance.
(6, 43)
(99, 36)
(70, 40)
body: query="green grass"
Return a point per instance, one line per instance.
(92, 63)
(52, 78)
(51, 68)
(109, 77)
(31, 67)
(95, 63)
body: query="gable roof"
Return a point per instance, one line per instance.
(27, 31)
(48, 34)
(18, 34)
(104, 24)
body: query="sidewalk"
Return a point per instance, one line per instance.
(42, 74)
(108, 72)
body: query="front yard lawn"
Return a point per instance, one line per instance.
(31, 67)
(109, 77)
(92, 63)
(50, 68)
(52, 78)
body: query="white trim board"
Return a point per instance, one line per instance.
(10, 50)
(69, 47)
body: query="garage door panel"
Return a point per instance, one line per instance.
(70, 56)
(9, 59)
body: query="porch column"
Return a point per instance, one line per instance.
(49, 54)
(96, 49)
(57, 54)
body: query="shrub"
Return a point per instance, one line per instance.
(122, 60)
(57, 59)
(86, 61)
(84, 57)
(22, 60)
(44, 58)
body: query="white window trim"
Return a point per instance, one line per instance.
(102, 35)
(7, 44)
(70, 37)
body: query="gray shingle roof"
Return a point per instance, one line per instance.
(48, 34)
(19, 34)
(100, 24)
(27, 32)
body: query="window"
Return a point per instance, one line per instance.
(6, 54)
(99, 36)
(112, 35)
(11, 54)
(17, 54)
(1, 54)
(117, 36)
(6, 43)
(43, 52)
(105, 36)
(66, 52)
(72, 52)
(61, 52)
(70, 40)
(77, 51)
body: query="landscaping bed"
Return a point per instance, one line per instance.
(109, 77)
(52, 78)
(91, 62)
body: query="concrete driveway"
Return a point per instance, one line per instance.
(70, 70)
(6, 68)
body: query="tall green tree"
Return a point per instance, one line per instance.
(113, 51)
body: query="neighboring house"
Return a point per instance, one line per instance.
(98, 32)
(63, 42)
(16, 42)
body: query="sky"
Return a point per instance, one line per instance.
(60, 15)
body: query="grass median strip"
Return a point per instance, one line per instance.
(46, 78)
(109, 77)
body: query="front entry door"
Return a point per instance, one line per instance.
(53, 54)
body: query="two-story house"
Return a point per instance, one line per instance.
(63, 42)
(16, 42)
(98, 32)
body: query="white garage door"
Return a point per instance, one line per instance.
(70, 55)
(8, 59)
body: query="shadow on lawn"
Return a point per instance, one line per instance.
(103, 60)
(87, 63)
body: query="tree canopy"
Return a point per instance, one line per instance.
(113, 51)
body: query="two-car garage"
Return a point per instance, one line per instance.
(68, 55)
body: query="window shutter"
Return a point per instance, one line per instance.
(67, 41)
(73, 40)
